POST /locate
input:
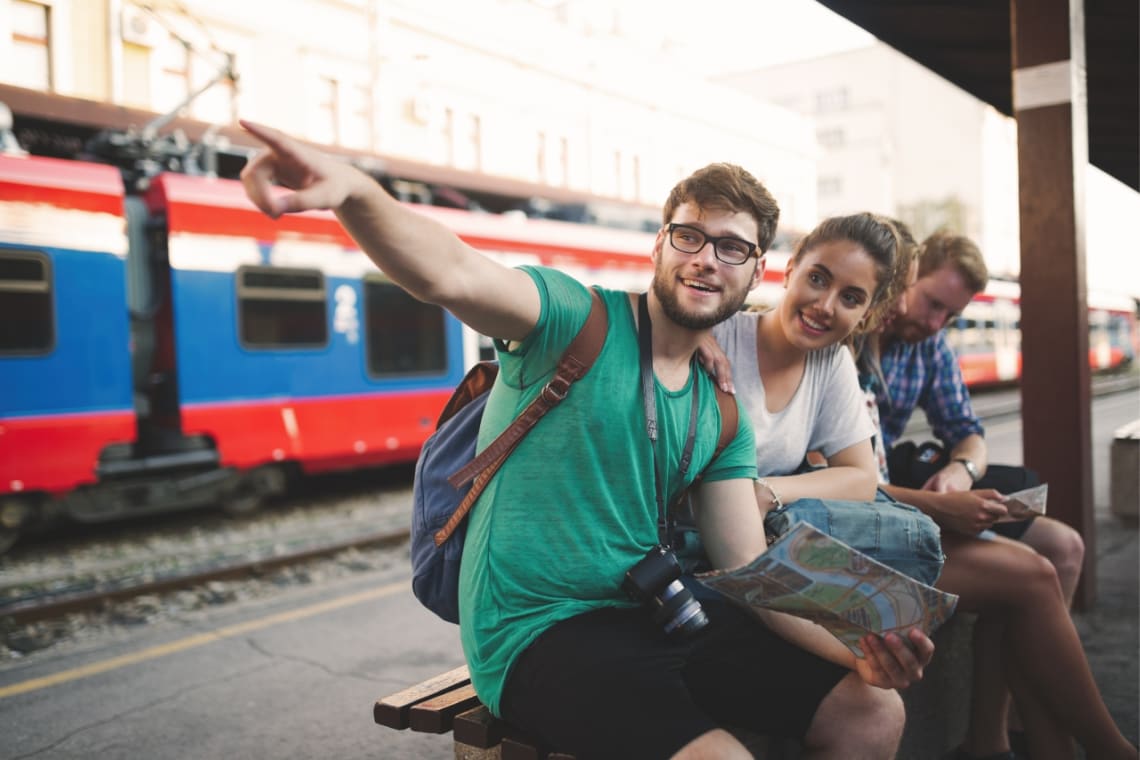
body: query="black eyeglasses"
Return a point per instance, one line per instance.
(730, 250)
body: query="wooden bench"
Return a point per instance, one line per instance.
(447, 702)
(937, 711)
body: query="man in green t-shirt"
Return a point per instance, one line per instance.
(548, 632)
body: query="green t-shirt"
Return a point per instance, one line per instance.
(573, 508)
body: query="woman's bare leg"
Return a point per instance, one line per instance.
(987, 733)
(1045, 738)
(1010, 583)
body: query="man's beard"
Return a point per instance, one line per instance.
(671, 305)
(906, 331)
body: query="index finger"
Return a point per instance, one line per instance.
(921, 644)
(275, 139)
(257, 179)
(994, 508)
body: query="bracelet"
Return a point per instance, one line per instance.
(775, 496)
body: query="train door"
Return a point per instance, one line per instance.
(1006, 334)
(1100, 343)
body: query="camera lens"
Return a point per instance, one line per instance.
(678, 612)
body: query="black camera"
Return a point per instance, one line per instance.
(654, 582)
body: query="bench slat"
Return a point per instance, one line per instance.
(393, 710)
(434, 716)
(478, 727)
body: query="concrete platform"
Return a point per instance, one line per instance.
(1110, 630)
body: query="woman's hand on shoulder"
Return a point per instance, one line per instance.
(713, 358)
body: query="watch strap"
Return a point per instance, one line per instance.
(971, 468)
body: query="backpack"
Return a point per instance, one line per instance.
(449, 477)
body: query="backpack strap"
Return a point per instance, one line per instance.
(576, 361)
(474, 384)
(729, 422)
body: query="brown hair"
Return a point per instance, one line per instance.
(905, 255)
(874, 233)
(729, 187)
(959, 251)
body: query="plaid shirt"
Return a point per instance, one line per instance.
(925, 374)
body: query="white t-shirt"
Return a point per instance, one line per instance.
(827, 413)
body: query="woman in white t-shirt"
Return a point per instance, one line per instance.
(801, 390)
(792, 373)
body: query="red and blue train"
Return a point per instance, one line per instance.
(165, 346)
(170, 346)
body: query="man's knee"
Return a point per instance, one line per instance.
(718, 745)
(861, 720)
(1060, 544)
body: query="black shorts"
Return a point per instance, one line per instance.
(609, 684)
(911, 466)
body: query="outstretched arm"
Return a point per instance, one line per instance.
(732, 532)
(420, 255)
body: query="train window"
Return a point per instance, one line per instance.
(405, 336)
(281, 307)
(27, 318)
(972, 338)
(954, 334)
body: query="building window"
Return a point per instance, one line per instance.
(218, 104)
(358, 129)
(541, 159)
(562, 162)
(31, 46)
(831, 137)
(27, 319)
(830, 186)
(405, 336)
(136, 75)
(553, 160)
(831, 100)
(462, 139)
(617, 172)
(281, 307)
(173, 74)
(326, 128)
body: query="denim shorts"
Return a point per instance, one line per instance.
(896, 534)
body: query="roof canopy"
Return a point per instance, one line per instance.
(968, 43)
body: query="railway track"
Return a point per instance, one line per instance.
(45, 604)
(79, 578)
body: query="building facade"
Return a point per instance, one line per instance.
(552, 94)
(898, 139)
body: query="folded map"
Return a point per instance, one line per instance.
(809, 574)
(1025, 504)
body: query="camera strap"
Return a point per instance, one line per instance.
(665, 521)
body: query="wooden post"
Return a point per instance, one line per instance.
(1049, 100)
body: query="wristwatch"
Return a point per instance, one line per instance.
(971, 469)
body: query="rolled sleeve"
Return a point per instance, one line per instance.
(926, 375)
(945, 399)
